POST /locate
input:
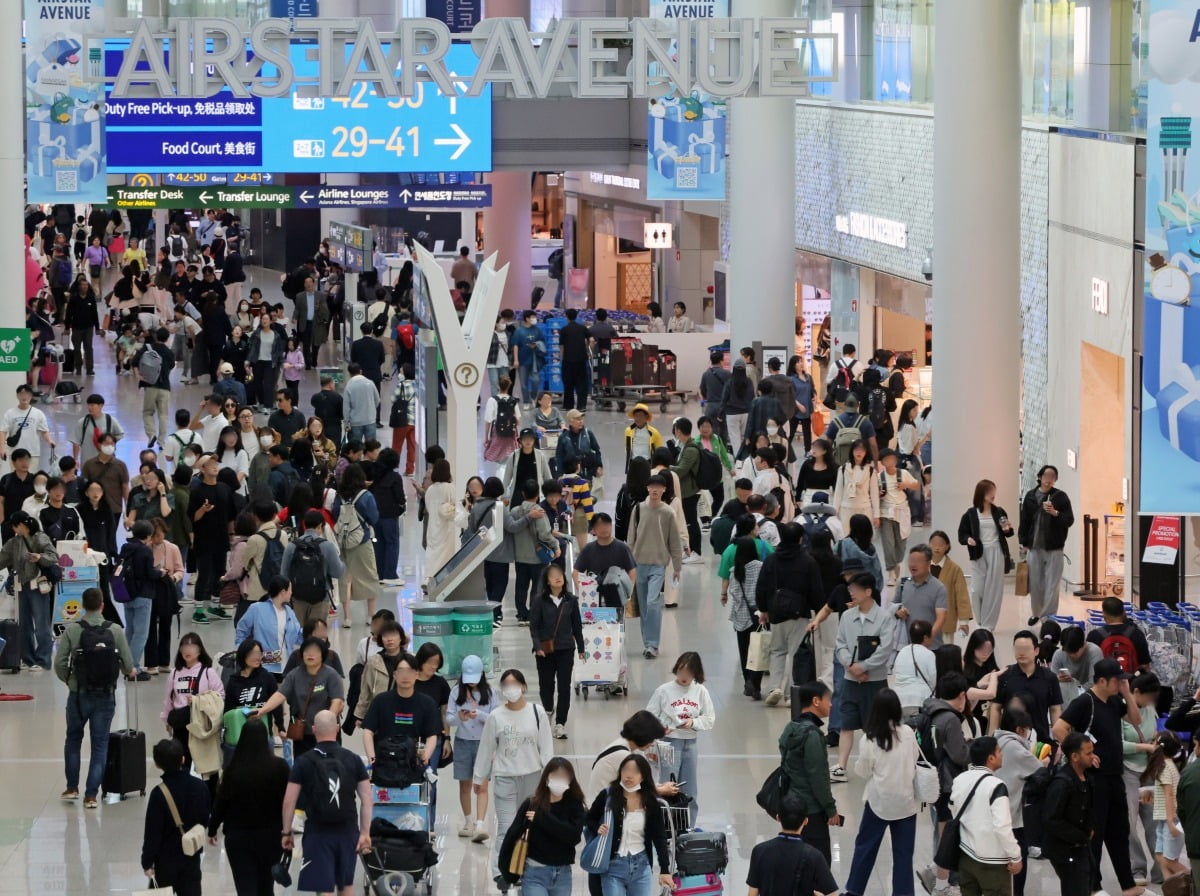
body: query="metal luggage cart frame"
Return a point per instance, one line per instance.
(618, 687)
(382, 881)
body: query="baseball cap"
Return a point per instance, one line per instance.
(226, 368)
(528, 433)
(574, 414)
(1108, 669)
(853, 564)
(472, 669)
(820, 497)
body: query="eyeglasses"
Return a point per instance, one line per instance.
(245, 416)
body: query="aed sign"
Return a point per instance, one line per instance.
(15, 346)
(1100, 296)
(872, 228)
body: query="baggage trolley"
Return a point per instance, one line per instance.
(401, 842)
(604, 643)
(708, 852)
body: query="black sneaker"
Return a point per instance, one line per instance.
(1032, 621)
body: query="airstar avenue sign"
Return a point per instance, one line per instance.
(720, 57)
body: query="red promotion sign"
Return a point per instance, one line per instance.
(1162, 545)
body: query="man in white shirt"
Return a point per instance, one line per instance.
(210, 422)
(990, 855)
(29, 423)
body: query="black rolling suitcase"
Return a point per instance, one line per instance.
(125, 770)
(10, 656)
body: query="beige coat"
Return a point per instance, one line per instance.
(958, 596)
(375, 681)
(204, 732)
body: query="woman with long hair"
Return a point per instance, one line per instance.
(637, 831)
(249, 805)
(908, 446)
(806, 397)
(818, 472)
(556, 627)
(232, 456)
(388, 488)
(441, 508)
(323, 449)
(165, 603)
(858, 545)
(1163, 772)
(735, 401)
(631, 493)
(857, 491)
(361, 578)
(985, 530)
(193, 674)
(743, 612)
(513, 749)
(554, 817)
(977, 661)
(471, 702)
(886, 758)
(1140, 769)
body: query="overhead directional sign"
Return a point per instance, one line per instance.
(298, 133)
(213, 178)
(461, 196)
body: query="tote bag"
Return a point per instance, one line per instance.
(596, 852)
(758, 657)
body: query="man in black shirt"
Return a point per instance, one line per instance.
(402, 712)
(367, 352)
(1117, 626)
(600, 555)
(1097, 714)
(786, 864)
(1036, 685)
(211, 509)
(573, 340)
(330, 776)
(285, 419)
(327, 406)
(15, 487)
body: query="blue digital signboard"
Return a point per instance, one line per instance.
(359, 133)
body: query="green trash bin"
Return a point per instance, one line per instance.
(434, 623)
(472, 633)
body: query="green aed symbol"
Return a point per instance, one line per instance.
(15, 345)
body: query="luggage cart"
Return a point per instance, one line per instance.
(402, 838)
(604, 643)
(684, 848)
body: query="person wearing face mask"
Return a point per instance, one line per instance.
(513, 749)
(764, 409)
(498, 359)
(34, 503)
(554, 818)
(113, 476)
(637, 831)
(258, 479)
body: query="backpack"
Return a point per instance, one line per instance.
(708, 473)
(310, 584)
(720, 533)
(505, 424)
(396, 762)
(814, 523)
(97, 662)
(405, 334)
(350, 530)
(272, 561)
(62, 272)
(291, 479)
(844, 377)
(150, 365)
(877, 407)
(400, 411)
(177, 246)
(80, 235)
(330, 795)
(379, 324)
(1119, 646)
(845, 437)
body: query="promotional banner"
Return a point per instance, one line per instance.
(685, 156)
(1162, 543)
(65, 149)
(1170, 429)
(459, 15)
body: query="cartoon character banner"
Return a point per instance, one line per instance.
(65, 158)
(685, 157)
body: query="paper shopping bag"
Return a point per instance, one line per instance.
(758, 657)
(154, 890)
(1022, 589)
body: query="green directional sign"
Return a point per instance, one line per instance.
(201, 197)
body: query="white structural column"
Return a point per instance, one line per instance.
(976, 259)
(12, 199)
(508, 224)
(762, 193)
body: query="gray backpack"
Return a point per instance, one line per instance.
(845, 438)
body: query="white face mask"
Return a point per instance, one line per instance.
(266, 441)
(772, 430)
(630, 788)
(558, 786)
(39, 489)
(512, 693)
(110, 450)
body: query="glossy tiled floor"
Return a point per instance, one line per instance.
(47, 846)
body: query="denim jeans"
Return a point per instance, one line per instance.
(96, 711)
(546, 880)
(835, 714)
(530, 380)
(685, 770)
(866, 848)
(627, 876)
(361, 433)
(137, 627)
(387, 546)
(36, 641)
(650, 601)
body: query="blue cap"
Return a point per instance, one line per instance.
(472, 669)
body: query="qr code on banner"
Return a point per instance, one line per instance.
(687, 178)
(66, 180)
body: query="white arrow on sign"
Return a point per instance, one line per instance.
(405, 195)
(462, 141)
(306, 196)
(204, 197)
(267, 178)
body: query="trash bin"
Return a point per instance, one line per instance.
(472, 633)
(434, 623)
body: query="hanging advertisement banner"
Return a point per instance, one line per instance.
(1162, 544)
(685, 156)
(459, 15)
(64, 101)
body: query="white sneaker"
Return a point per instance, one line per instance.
(693, 558)
(560, 732)
(481, 833)
(837, 775)
(774, 697)
(467, 829)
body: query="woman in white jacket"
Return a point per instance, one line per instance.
(886, 759)
(441, 509)
(856, 490)
(684, 707)
(513, 749)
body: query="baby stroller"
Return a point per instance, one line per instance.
(398, 861)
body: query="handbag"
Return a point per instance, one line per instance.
(926, 786)
(1022, 583)
(154, 890)
(546, 645)
(758, 656)
(191, 840)
(120, 591)
(516, 864)
(1178, 884)
(298, 727)
(14, 438)
(597, 851)
(770, 795)
(230, 592)
(949, 849)
(631, 608)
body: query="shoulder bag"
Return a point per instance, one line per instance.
(15, 437)
(298, 727)
(192, 839)
(949, 849)
(597, 851)
(546, 645)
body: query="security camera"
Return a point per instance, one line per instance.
(927, 267)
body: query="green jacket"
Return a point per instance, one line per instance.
(802, 755)
(1188, 808)
(64, 657)
(688, 468)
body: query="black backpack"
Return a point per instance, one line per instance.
(505, 424)
(926, 731)
(379, 324)
(877, 409)
(708, 474)
(720, 533)
(396, 762)
(97, 662)
(272, 561)
(330, 796)
(310, 584)
(400, 412)
(177, 246)
(813, 523)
